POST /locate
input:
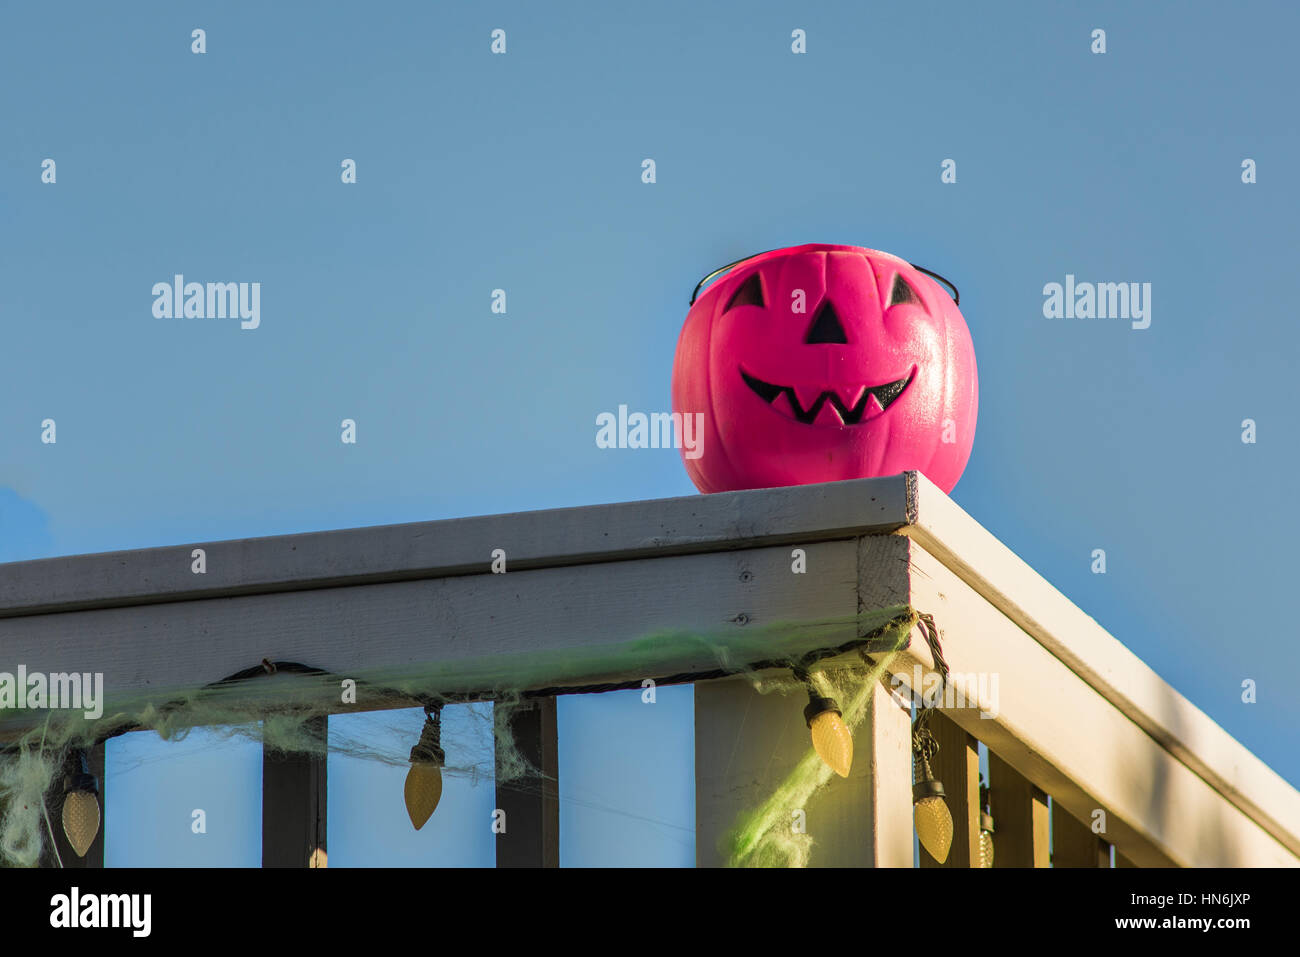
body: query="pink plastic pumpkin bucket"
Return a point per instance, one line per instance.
(818, 363)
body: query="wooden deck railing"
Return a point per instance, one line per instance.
(1128, 762)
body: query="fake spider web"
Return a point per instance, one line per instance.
(281, 711)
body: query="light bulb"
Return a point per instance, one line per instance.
(986, 849)
(81, 805)
(934, 826)
(80, 820)
(830, 735)
(423, 790)
(986, 826)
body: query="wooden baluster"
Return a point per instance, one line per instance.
(1074, 844)
(1021, 819)
(957, 766)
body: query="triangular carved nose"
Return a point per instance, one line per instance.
(826, 326)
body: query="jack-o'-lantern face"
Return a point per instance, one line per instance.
(818, 363)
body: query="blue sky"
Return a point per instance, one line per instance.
(522, 172)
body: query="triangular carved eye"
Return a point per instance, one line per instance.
(902, 292)
(750, 293)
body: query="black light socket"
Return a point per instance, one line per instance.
(930, 787)
(81, 779)
(819, 705)
(429, 749)
(924, 782)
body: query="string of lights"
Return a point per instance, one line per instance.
(930, 812)
(422, 791)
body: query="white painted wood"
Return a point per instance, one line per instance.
(613, 621)
(882, 747)
(746, 743)
(602, 593)
(462, 546)
(1021, 818)
(1066, 632)
(1057, 731)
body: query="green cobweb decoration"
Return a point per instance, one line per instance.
(281, 710)
(763, 836)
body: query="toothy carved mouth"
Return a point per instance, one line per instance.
(863, 408)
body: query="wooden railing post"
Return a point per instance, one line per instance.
(531, 803)
(1074, 844)
(747, 742)
(293, 803)
(883, 748)
(1022, 826)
